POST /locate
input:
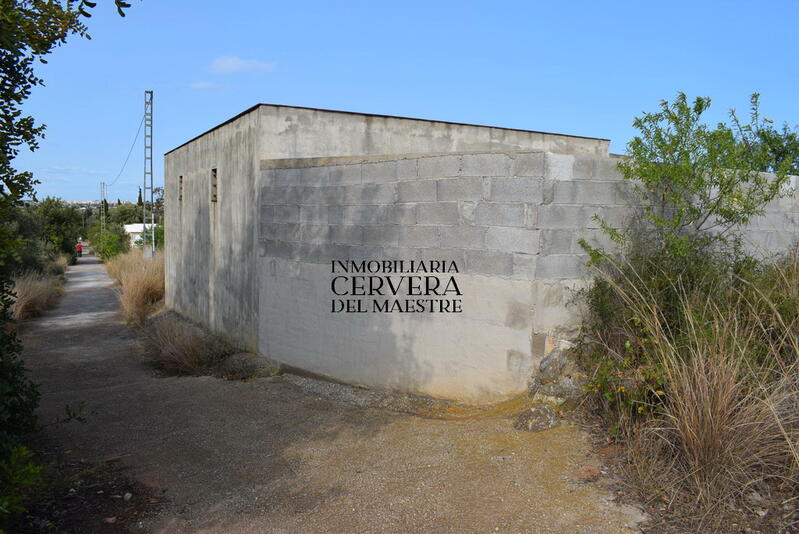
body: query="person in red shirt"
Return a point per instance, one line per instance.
(79, 249)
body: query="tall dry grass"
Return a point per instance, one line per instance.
(725, 419)
(35, 294)
(179, 347)
(141, 281)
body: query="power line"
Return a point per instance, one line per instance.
(129, 153)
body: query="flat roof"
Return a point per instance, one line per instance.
(256, 106)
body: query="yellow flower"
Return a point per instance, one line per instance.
(660, 392)
(641, 409)
(622, 389)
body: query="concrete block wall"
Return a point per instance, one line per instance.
(510, 220)
(298, 188)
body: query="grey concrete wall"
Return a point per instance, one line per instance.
(290, 132)
(211, 246)
(509, 207)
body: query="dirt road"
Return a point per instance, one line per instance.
(270, 455)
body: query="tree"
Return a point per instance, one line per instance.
(139, 200)
(125, 214)
(698, 183)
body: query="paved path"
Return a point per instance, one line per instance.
(268, 456)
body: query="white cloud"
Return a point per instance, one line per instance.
(58, 169)
(202, 85)
(230, 64)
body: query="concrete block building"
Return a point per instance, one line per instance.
(285, 226)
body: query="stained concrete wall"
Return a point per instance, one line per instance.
(298, 188)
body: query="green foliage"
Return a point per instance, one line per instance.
(19, 476)
(698, 183)
(113, 242)
(61, 224)
(125, 214)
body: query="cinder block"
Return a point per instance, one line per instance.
(381, 235)
(309, 195)
(314, 233)
(346, 234)
(345, 174)
(561, 267)
(563, 216)
(466, 212)
(608, 169)
(407, 169)
(586, 193)
(274, 194)
(314, 214)
(314, 176)
(439, 166)
(528, 164)
(267, 213)
(471, 237)
(512, 240)
(559, 166)
(524, 266)
(332, 195)
(446, 254)
(403, 214)
(418, 236)
(278, 249)
(287, 213)
(489, 262)
(379, 193)
(437, 213)
(370, 194)
(268, 177)
(516, 189)
(584, 167)
(470, 188)
(288, 176)
(379, 172)
(485, 165)
(347, 214)
(531, 215)
(417, 191)
(500, 214)
(615, 217)
(556, 241)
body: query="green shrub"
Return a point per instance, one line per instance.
(690, 342)
(111, 243)
(19, 477)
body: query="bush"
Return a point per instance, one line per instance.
(142, 282)
(708, 398)
(110, 243)
(179, 347)
(690, 341)
(19, 477)
(34, 294)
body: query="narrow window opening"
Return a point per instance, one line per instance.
(180, 188)
(213, 185)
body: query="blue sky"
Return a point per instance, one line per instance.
(583, 68)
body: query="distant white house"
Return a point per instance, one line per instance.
(135, 231)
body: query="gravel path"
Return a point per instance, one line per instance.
(272, 455)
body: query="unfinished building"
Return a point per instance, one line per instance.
(285, 226)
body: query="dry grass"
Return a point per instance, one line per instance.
(142, 282)
(176, 346)
(728, 419)
(35, 294)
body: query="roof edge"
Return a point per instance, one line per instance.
(256, 106)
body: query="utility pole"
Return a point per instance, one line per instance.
(148, 168)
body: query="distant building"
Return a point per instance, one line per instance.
(135, 231)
